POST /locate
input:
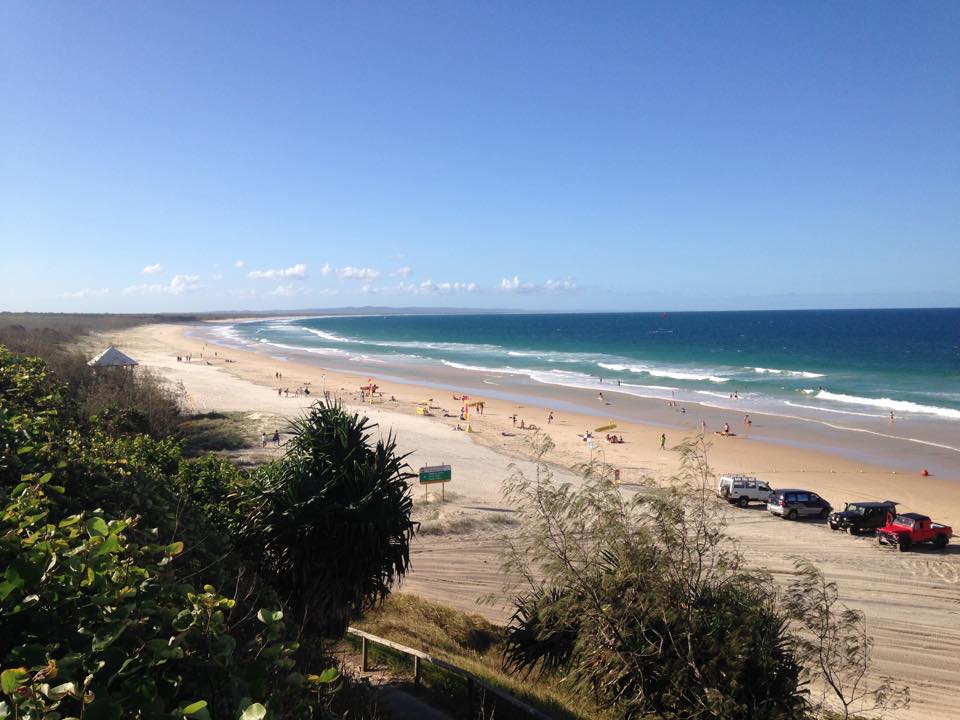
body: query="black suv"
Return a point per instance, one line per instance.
(857, 517)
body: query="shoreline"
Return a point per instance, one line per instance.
(775, 448)
(881, 446)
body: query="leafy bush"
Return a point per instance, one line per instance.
(330, 525)
(643, 602)
(110, 552)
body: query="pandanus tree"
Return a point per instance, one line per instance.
(330, 522)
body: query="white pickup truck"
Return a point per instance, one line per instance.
(742, 489)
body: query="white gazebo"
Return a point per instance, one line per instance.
(111, 357)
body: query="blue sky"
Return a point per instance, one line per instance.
(204, 156)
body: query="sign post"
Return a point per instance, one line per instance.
(430, 474)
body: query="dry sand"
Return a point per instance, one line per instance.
(912, 600)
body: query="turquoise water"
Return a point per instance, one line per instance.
(863, 363)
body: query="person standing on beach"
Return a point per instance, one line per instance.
(263, 439)
(663, 441)
(276, 438)
(514, 418)
(600, 396)
(550, 418)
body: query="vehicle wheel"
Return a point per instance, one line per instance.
(742, 501)
(792, 515)
(853, 530)
(834, 526)
(941, 541)
(904, 544)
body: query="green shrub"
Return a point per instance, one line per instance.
(330, 523)
(108, 546)
(643, 602)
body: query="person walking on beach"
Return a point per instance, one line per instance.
(550, 418)
(663, 441)
(514, 418)
(276, 438)
(263, 439)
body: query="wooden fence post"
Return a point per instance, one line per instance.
(416, 669)
(363, 655)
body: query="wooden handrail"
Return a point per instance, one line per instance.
(449, 667)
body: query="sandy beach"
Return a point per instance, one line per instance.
(912, 600)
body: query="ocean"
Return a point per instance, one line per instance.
(823, 364)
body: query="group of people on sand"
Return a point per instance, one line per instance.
(614, 439)
(297, 392)
(275, 439)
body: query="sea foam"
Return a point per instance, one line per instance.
(790, 373)
(668, 373)
(903, 406)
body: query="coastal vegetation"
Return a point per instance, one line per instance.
(130, 584)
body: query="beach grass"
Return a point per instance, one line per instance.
(470, 642)
(214, 432)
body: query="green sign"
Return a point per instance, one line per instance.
(435, 474)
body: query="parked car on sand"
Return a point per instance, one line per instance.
(792, 504)
(909, 529)
(742, 489)
(857, 517)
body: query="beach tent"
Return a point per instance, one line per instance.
(111, 357)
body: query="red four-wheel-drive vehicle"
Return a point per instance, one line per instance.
(909, 529)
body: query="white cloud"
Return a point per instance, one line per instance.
(85, 293)
(325, 270)
(152, 269)
(177, 286)
(427, 287)
(565, 285)
(217, 276)
(403, 272)
(355, 273)
(289, 291)
(239, 264)
(298, 271)
(299, 291)
(516, 285)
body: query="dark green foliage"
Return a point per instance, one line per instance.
(538, 637)
(111, 550)
(330, 524)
